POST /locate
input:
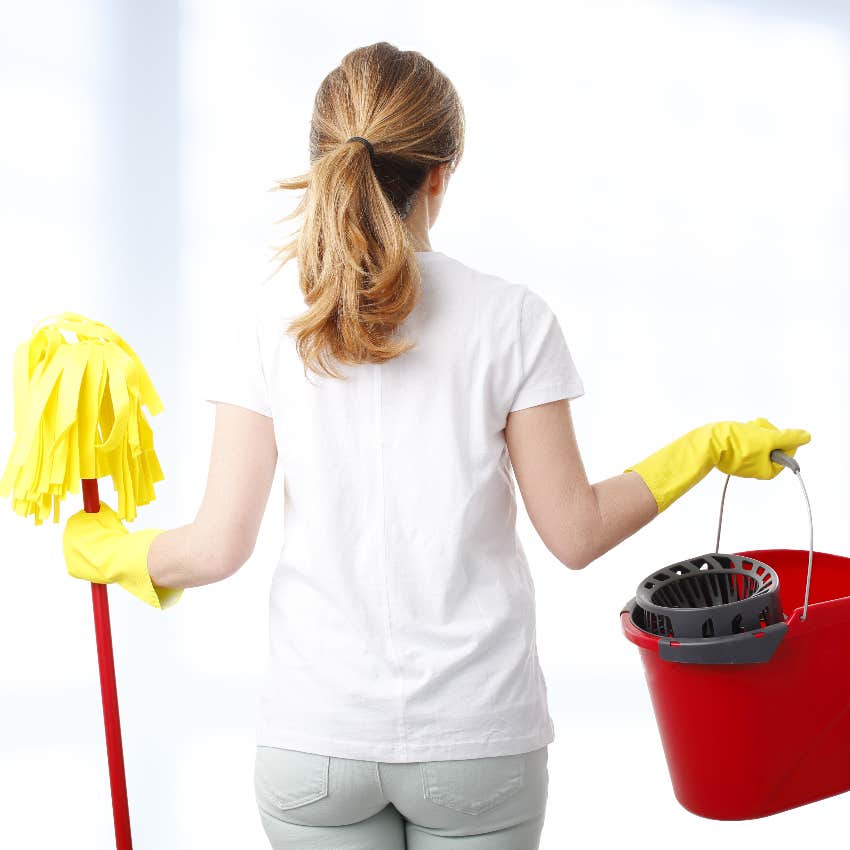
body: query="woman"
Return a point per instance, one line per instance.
(404, 705)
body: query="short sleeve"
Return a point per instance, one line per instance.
(235, 373)
(548, 370)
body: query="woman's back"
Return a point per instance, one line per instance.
(402, 620)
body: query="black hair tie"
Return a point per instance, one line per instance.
(368, 145)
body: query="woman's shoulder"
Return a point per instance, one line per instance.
(490, 288)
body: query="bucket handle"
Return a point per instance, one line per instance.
(778, 456)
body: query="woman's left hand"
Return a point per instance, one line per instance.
(98, 548)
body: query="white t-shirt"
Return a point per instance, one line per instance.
(402, 610)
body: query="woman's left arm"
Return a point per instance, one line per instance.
(223, 534)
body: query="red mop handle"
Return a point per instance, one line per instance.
(111, 720)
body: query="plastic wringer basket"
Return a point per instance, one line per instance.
(710, 607)
(715, 645)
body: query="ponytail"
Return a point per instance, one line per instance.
(357, 266)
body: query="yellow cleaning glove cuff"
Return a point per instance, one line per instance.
(670, 472)
(133, 551)
(98, 548)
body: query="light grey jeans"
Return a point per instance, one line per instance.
(308, 800)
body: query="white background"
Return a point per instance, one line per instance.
(673, 177)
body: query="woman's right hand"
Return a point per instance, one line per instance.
(736, 448)
(743, 448)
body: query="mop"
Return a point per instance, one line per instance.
(78, 417)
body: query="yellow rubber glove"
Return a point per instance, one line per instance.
(736, 448)
(98, 548)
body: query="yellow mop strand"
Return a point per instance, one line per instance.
(67, 396)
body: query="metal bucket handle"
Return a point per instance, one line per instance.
(778, 456)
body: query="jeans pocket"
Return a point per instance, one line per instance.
(285, 779)
(473, 786)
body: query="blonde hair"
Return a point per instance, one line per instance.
(356, 261)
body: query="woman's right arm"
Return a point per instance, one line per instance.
(578, 521)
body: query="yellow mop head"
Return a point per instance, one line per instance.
(78, 414)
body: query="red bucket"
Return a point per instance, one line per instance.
(746, 740)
